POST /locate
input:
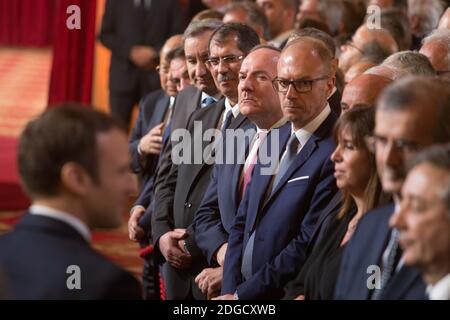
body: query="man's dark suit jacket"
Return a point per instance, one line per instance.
(217, 211)
(186, 102)
(152, 110)
(35, 257)
(124, 27)
(284, 221)
(365, 249)
(176, 203)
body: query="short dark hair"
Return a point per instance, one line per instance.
(255, 16)
(176, 53)
(397, 23)
(64, 133)
(438, 156)
(373, 52)
(316, 34)
(247, 37)
(423, 92)
(198, 27)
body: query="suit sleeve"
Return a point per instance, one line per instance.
(288, 262)
(119, 46)
(209, 231)
(232, 276)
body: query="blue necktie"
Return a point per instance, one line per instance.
(291, 152)
(389, 264)
(207, 101)
(228, 120)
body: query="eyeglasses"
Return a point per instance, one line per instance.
(375, 142)
(300, 85)
(214, 61)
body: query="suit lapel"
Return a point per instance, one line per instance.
(161, 107)
(260, 183)
(401, 282)
(210, 120)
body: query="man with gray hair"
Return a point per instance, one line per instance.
(412, 114)
(436, 47)
(423, 220)
(424, 17)
(404, 63)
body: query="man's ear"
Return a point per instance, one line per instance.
(415, 23)
(75, 178)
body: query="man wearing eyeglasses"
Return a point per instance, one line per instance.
(267, 244)
(412, 113)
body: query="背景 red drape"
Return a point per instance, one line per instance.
(73, 54)
(27, 22)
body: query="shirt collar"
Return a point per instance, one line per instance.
(171, 101)
(234, 109)
(440, 290)
(306, 132)
(276, 125)
(69, 219)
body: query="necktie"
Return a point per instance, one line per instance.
(229, 117)
(291, 152)
(389, 264)
(248, 171)
(207, 101)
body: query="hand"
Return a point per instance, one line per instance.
(151, 143)
(300, 297)
(220, 255)
(168, 245)
(225, 297)
(210, 281)
(135, 232)
(143, 56)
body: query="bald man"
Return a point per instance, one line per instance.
(352, 51)
(267, 244)
(364, 89)
(145, 145)
(358, 69)
(437, 49)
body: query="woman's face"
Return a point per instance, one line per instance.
(352, 165)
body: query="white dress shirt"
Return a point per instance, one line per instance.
(440, 290)
(67, 218)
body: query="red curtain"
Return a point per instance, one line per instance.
(27, 22)
(73, 54)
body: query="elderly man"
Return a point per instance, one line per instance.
(423, 220)
(145, 146)
(352, 51)
(281, 17)
(261, 107)
(179, 197)
(411, 114)
(364, 89)
(436, 47)
(82, 182)
(267, 244)
(424, 18)
(402, 64)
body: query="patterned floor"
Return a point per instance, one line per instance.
(24, 82)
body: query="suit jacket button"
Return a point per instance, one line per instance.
(185, 204)
(189, 205)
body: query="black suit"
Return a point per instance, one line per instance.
(36, 255)
(125, 26)
(176, 203)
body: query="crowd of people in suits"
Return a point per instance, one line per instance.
(351, 99)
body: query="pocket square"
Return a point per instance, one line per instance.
(298, 178)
